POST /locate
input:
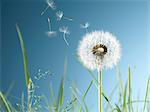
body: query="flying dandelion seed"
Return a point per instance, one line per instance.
(98, 50)
(65, 32)
(50, 33)
(60, 16)
(85, 26)
(50, 4)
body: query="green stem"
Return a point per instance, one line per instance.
(100, 109)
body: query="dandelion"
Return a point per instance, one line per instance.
(85, 26)
(50, 4)
(60, 16)
(65, 31)
(50, 33)
(99, 50)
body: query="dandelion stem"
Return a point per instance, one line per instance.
(44, 10)
(64, 37)
(100, 109)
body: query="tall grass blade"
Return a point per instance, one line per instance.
(120, 84)
(124, 99)
(61, 89)
(146, 94)
(129, 90)
(61, 95)
(52, 98)
(4, 104)
(24, 55)
(83, 99)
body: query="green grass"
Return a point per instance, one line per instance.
(4, 103)
(26, 72)
(77, 102)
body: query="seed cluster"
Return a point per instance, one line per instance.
(99, 50)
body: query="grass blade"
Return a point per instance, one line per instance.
(118, 108)
(120, 84)
(52, 98)
(61, 89)
(124, 99)
(4, 103)
(108, 101)
(83, 99)
(86, 107)
(24, 56)
(129, 90)
(61, 95)
(146, 95)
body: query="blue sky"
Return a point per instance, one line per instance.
(127, 20)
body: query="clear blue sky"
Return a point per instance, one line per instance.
(128, 20)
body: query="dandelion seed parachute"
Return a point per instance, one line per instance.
(98, 50)
(65, 32)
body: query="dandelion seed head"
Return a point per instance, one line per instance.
(98, 50)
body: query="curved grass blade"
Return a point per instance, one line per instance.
(83, 99)
(86, 107)
(107, 100)
(4, 103)
(118, 108)
(24, 56)
(110, 97)
(90, 72)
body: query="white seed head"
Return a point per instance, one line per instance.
(98, 50)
